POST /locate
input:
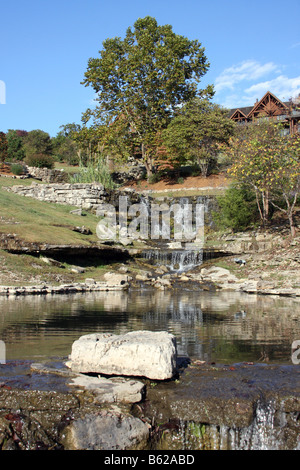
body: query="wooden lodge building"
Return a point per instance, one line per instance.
(270, 107)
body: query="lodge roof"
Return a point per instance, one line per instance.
(247, 110)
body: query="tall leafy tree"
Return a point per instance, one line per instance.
(286, 178)
(269, 162)
(38, 142)
(197, 133)
(15, 149)
(3, 147)
(142, 79)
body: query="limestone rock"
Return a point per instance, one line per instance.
(116, 279)
(83, 230)
(217, 274)
(106, 431)
(137, 353)
(115, 389)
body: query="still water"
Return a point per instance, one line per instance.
(221, 327)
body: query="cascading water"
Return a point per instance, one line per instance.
(174, 260)
(181, 259)
(266, 432)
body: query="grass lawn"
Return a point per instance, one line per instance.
(64, 166)
(38, 221)
(42, 222)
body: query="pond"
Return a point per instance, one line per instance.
(220, 327)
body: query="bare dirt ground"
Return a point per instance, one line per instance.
(5, 170)
(212, 181)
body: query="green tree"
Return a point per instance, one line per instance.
(237, 208)
(286, 178)
(142, 79)
(252, 152)
(3, 147)
(197, 133)
(268, 162)
(38, 142)
(65, 149)
(15, 149)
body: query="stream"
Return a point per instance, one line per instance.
(238, 385)
(209, 326)
(240, 390)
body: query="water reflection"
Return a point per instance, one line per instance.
(219, 327)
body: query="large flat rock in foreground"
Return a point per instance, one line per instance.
(138, 353)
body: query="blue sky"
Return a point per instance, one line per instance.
(252, 47)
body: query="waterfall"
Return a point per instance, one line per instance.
(174, 260)
(266, 432)
(184, 257)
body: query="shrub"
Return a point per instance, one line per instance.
(155, 178)
(94, 173)
(40, 160)
(17, 169)
(237, 209)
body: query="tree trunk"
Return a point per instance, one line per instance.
(265, 201)
(258, 204)
(148, 161)
(292, 225)
(290, 214)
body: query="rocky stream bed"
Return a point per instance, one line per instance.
(204, 406)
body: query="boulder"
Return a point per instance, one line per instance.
(116, 279)
(217, 274)
(137, 354)
(115, 389)
(106, 431)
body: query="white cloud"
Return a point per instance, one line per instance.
(243, 83)
(283, 87)
(249, 70)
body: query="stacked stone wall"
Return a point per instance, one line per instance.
(86, 196)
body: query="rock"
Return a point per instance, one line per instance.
(126, 241)
(123, 269)
(162, 282)
(77, 269)
(159, 271)
(248, 406)
(77, 212)
(216, 274)
(115, 389)
(143, 276)
(164, 269)
(116, 279)
(184, 278)
(106, 431)
(175, 245)
(81, 195)
(83, 230)
(52, 262)
(137, 353)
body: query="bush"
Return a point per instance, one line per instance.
(94, 173)
(17, 169)
(155, 178)
(237, 209)
(40, 160)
